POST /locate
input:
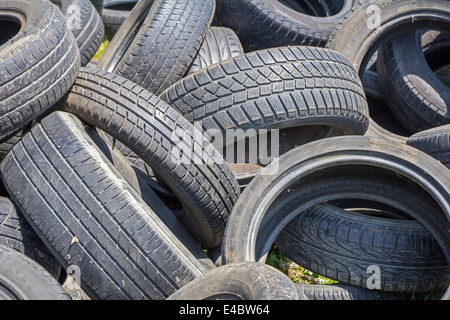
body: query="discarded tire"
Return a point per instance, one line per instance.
(114, 13)
(435, 142)
(86, 25)
(39, 62)
(241, 281)
(16, 233)
(207, 189)
(199, 142)
(165, 45)
(267, 24)
(311, 90)
(24, 279)
(97, 217)
(416, 96)
(342, 245)
(270, 201)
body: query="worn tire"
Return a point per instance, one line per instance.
(24, 279)
(303, 178)
(435, 142)
(92, 218)
(346, 292)
(342, 245)
(417, 98)
(37, 66)
(240, 281)
(86, 25)
(294, 89)
(220, 44)
(262, 24)
(207, 189)
(98, 4)
(165, 44)
(114, 13)
(358, 40)
(16, 233)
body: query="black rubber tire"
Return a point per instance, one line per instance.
(114, 13)
(435, 142)
(98, 4)
(358, 40)
(220, 44)
(262, 24)
(146, 125)
(24, 279)
(444, 75)
(92, 218)
(240, 281)
(37, 66)
(86, 25)
(165, 44)
(346, 292)
(287, 88)
(16, 233)
(417, 98)
(341, 245)
(304, 178)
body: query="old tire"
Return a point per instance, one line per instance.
(240, 281)
(302, 180)
(86, 25)
(16, 233)
(37, 65)
(220, 44)
(91, 218)
(24, 279)
(114, 13)
(342, 245)
(416, 96)
(308, 92)
(435, 142)
(164, 46)
(266, 24)
(207, 189)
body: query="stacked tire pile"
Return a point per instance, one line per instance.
(116, 172)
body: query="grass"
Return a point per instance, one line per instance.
(295, 272)
(101, 50)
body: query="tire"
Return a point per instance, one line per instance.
(220, 44)
(263, 24)
(307, 93)
(357, 38)
(24, 279)
(342, 245)
(444, 75)
(98, 4)
(435, 142)
(16, 233)
(86, 25)
(92, 218)
(165, 44)
(114, 13)
(345, 292)
(326, 170)
(241, 281)
(27, 89)
(416, 96)
(206, 189)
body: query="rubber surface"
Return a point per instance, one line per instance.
(91, 218)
